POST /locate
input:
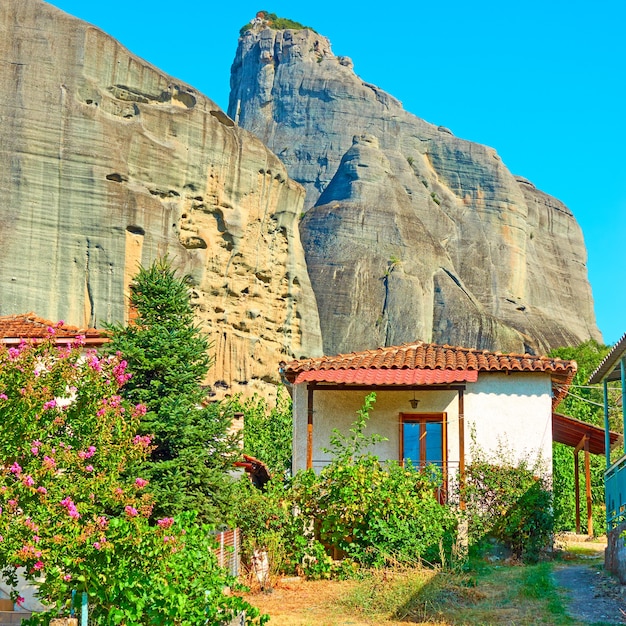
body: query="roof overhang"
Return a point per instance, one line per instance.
(610, 368)
(400, 377)
(570, 431)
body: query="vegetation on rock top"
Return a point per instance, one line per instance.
(273, 21)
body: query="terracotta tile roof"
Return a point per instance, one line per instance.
(430, 356)
(389, 376)
(13, 328)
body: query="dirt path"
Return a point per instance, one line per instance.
(594, 597)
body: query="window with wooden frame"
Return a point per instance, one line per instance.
(423, 442)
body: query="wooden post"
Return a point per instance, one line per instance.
(588, 489)
(461, 448)
(583, 443)
(309, 427)
(577, 491)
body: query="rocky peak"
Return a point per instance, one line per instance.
(107, 163)
(487, 260)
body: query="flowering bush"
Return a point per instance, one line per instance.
(73, 515)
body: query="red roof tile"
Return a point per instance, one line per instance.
(13, 328)
(389, 376)
(430, 356)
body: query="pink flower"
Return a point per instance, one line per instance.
(97, 545)
(165, 522)
(15, 468)
(49, 405)
(28, 481)
(72, 511)
(42, 490)
(67, 577)
(140, 483)
(49, 462)
(51, 330)
(131, 511)
(142, 441)
(103, 522)
(89, 468)
(140, 409)
(1, 538)
(38, 565)
(36, 538)
(3, 396)
(20, 600)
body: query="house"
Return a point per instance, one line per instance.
(27, 326)
(432, 401)
(613, 369)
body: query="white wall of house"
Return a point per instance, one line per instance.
(514, 410)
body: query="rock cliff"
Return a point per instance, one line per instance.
(410, 232)
(106, 162)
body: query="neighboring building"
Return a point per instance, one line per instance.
(613, 369)
(27, 326)
(431, 401)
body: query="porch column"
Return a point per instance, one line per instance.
(588, 489)
(461, 448)
(577, 490)
(583, 443)
(309, 426)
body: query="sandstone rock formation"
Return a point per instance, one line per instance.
(411, 233)
(106, 162)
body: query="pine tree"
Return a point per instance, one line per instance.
(168, 357)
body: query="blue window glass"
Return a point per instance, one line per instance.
(422, 442)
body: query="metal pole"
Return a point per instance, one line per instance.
(623, 373)
(84, 611)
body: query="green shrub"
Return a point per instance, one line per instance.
(509, 501)
(267, 430)
(277, 23)
(371, 512)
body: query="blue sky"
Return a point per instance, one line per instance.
(543, 82)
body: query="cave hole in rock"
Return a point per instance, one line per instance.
(136, 230)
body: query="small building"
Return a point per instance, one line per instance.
(27, 326)
(431, 402)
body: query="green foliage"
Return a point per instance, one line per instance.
(268, 431)
(374, 512)
(74, 517)
(270, 521)
(584, 404)
(277, 23)
(168, 358)
(368, 512)
(509, 500)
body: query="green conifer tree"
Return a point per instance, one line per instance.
(168, 357)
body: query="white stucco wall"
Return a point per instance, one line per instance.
(337, 409)
(514, 410)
